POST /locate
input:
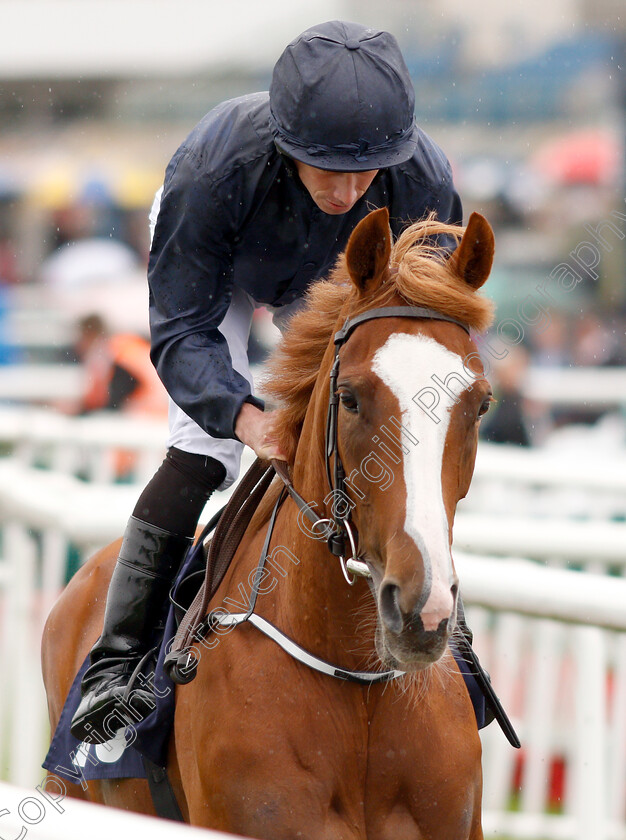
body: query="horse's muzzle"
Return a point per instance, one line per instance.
(403, 636)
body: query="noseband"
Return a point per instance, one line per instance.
(339, 531)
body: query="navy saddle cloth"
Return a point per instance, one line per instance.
(121, 757)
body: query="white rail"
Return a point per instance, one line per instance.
(546, 467)
(542, 634)
(88, 446)
(27, 430)
(584, 477)
(40, 383)
(505, 476)
(529, 589)
(596, 545)
(596, 387)
(45, 812)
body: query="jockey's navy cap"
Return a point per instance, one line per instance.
(341, 99)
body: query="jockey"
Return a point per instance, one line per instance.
(257, 204)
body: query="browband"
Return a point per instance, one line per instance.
(395, 312)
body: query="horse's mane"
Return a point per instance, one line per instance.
(422, 278)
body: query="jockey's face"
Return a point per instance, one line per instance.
(334, 192)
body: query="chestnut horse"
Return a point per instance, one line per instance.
(264, 745)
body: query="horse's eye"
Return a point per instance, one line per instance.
(348, 401)
(484, 406)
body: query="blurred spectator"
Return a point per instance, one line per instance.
(7, 351)
(8, 262)
(596, 342)
(8, 276)
(506, 421)
(119, 373)
(550, 345)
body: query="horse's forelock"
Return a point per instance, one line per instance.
(424, 278)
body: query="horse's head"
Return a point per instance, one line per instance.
(411, 395)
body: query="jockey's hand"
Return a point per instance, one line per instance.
(255, 428)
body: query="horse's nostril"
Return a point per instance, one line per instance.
(454, 589)
(390, 611)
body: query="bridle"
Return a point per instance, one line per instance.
(338, 529)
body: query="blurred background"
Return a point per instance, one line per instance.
(528, 100)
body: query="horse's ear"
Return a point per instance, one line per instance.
(473, 258)
(369, 247)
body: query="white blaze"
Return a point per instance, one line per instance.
(407, 365)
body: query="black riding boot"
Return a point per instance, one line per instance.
(148, 561)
